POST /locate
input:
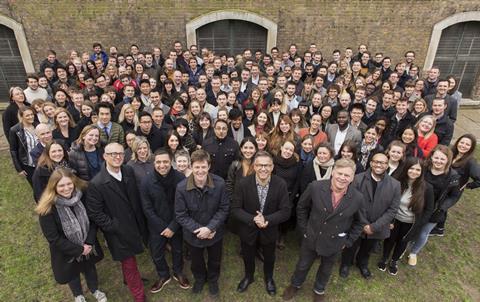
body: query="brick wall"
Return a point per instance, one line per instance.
(388, 26)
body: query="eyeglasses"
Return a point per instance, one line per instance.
(116, 154)
(266, 166)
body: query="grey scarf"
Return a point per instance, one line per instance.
(75, 224)
(327, 166)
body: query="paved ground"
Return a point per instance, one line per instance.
(468, 122)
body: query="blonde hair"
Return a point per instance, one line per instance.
(429, 133)
(121, 116)
(48, 198)
(139, 140)
(84, 133)
(71, 122)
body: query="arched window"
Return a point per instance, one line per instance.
(12, 71)
(232, 36)
(458, 53)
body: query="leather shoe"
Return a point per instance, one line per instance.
(365, 272)
(289, 293)
(270, 287)
(243, 285)
(318, 298)
(344, 271)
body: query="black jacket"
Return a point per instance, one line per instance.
(381, 207)
(78, 161)
(444, 130)
(118, 212)
(422, 218)
(245, 205)
(469, 170)
(324, 229)
(63, 252)
(289, 171)
(155, 138)
(223, 153)
(396, 127)
(9, 118)
(447, 193)
(158, 200)
(18, 146)
(207, 207)
(40, 178)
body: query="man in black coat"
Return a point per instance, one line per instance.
(444, 125)
(330, 217)
(113, 203)
(381, 194)
(152, 134)
(223, 149)
(260, 203)
(400, 120)
(201, 207)
(158, 198)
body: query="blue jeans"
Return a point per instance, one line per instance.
(422, 237)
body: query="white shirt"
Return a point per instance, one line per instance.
(339, 139)
(31, 95)
(117, 176)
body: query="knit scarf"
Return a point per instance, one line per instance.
(75, 224)
(365, 150)
(326, 166)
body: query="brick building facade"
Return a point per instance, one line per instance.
(388, 26)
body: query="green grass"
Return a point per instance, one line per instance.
(448, 267)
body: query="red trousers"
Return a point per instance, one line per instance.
(133, 278)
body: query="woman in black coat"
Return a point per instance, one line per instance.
(319, 168)
(416, 207)
(54, 156)
(65, 128)
(288, 166)
(86, 155)
(10, 115)
(74, 248)
(464, 162)
(22, 140)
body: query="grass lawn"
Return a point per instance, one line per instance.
(448, 268)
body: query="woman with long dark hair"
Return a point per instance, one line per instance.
(288, 166)
(282, 132)
(409, 138)
(464, 163)
(446, 192)
(71, 235)
(10, 115)
(416, 207)
(244, 166)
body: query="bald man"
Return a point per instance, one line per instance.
(113, 203)
(44, 134)
(381, 194)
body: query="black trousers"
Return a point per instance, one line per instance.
(441, 224)
(249, 252)
(157, 244)
(30, 170)
(91, 277)
(395, 242)
(210, 271)
(362, 249)
(305, 261)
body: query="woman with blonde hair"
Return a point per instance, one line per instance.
(74, 248)
(419, 106)
(128, 119)
(86, 155)
(65, 129)
(427, 139)
(48, 110)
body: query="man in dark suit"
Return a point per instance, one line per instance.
(330, 216)
(260, 203)
(158, 198)
(113, 203)
(381, 194)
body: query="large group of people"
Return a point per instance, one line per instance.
(171, 152)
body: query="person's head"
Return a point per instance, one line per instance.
(173, 141)
(433, 74)
(145, 121)
(464, 147)
(104, 112)
(371, 105)
(396, 151)
(89, 137)
(379, 164)
(426, 125)
(162, 161)
(220, 128)
(381, 123)
(26, 115)
(236, 117)
(62, 183)
(53, 154)
(182, 160)
(287, 150)
(371, 134)
(348, 150)
(439, 106)
(402, 106)
(200, 165)
(409, 135)
(356, 113)
(113, 156)
(248, 148)
(387, 98)
(324, 153)
(419, 106)
(63, 119)
(32, 81)
(44, 133)
(16, 95)
(181, 126)
(342, 174)
(440, 159)
(262, 140)
(263, 165)
(141, 149)
(342, 118)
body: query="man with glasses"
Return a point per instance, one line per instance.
(381, 194)
(152, 134)
(223, 149)
(113, 203)
(260, 203)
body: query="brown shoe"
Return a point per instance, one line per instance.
(289, 293)
(182, 281)
(158, 286)
(318, 297)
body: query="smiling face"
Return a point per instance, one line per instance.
(65, 187)
(162, 164)
(426, 125)
(263, 167)
(379, 164)
(262, 119)
(341, 178)
(408, 136)
(56, 153)
(91, 137)
(414, 172)
(323, 155)
(370, 135)
(248, 150)
(287, 150)
(173, 142)
(63, 119)
(439, 161)
(396, 153)
(464, 145)
(200, 171)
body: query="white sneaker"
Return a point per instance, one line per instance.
(412, 259)
(100, 296)
(80, 298)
